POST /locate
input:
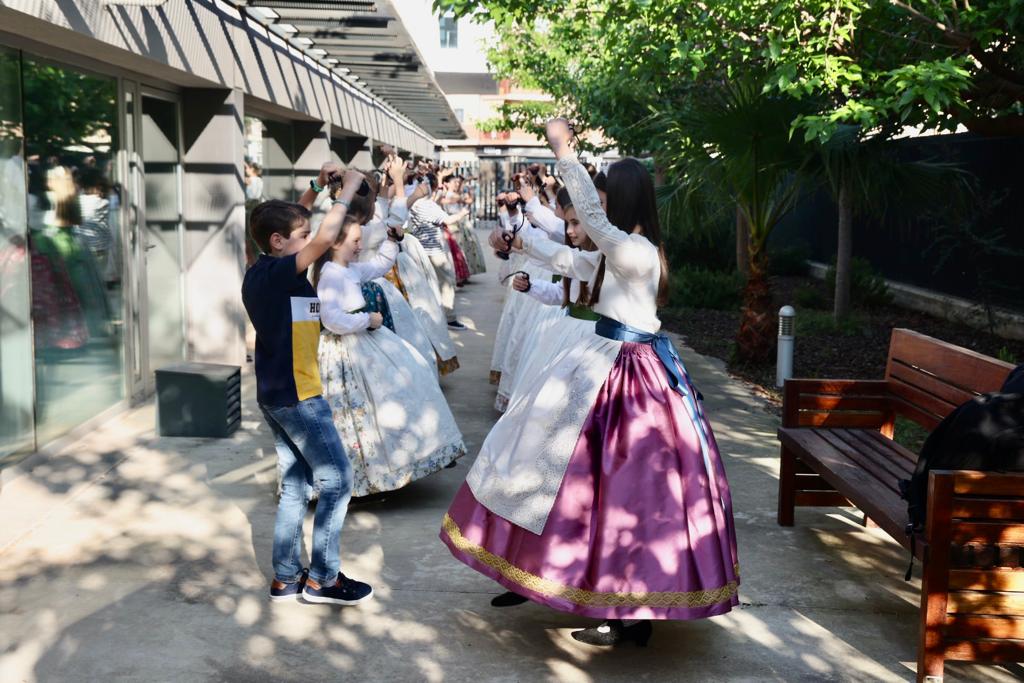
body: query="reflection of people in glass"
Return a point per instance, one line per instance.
(63, 244)
(253, 182)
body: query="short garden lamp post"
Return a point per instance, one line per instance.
(784, 360)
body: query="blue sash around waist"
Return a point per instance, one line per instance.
(678, 377)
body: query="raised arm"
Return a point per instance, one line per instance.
(631, 256)
(559, 258)
(308, 198)
(545, 219)
(380, 264)
(331, 224)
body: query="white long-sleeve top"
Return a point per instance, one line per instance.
(341, 294)
(547, 293)
(632, 266)
(559, 258)
(545, 219)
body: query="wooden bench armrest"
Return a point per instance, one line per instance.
(855, 403)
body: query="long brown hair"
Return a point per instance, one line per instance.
(565, 203)
(631, 202)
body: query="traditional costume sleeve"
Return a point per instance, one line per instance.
(548, 293)
(629, 255)
(379, 265)
(559, 258)
(545, 219)
(331, 292)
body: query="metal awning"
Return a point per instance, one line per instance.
(365, 42)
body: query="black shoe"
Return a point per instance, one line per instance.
(613, 632)
(281, 591)
(455, 325)
(452, 465)
(345, 591)
(508, 599)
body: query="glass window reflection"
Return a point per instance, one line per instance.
(73, 209)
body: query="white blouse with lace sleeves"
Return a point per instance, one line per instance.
(559, 258)
(339, 293)
(631, 256)
(545, 219)
(547, 293)
(379, 265)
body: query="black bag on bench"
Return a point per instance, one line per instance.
(985, 434)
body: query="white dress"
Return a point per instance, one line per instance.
(523, 459)
(393, 420)
(420, 281)
(516, 315)
(408, 326)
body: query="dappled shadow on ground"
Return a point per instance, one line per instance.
(159, 570)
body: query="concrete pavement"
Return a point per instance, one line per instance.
(132, 557)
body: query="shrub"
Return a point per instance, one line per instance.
(695, 287)
(809, 296)
(789, 260)
(822, 324)
(867, 287)
(1006, 355)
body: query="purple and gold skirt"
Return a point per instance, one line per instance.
(641, 527)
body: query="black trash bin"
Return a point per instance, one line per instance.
(198, 399)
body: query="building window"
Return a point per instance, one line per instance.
(449, 31)
(460, 114)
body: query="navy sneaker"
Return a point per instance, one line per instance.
(345, 591)
(280, 591)
(456, 325)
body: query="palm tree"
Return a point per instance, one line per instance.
(736, 138)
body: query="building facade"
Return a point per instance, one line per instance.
(132, 134)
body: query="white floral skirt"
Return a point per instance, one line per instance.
(390, 413)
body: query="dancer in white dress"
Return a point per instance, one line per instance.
(393, 420)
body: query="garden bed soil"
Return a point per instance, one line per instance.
(859, 352)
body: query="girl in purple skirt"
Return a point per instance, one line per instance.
(605, 492)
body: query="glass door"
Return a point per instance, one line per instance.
(162, 238)
(16, 380)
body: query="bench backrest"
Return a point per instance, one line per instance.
(928, 377)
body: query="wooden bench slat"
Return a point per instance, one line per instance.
(985, 651)
(963, 368)
(1011, 580)
(888, 445)
(974, 602)
(990, 533)
(914, 380)
(812, 482)
(882, 448)
(988, 484)
(884, 506)
(887, 473)
(968, 627)
(989, 508)
(842, 402)
(907, 395)
(841, 419)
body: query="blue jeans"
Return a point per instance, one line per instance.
(310, 457)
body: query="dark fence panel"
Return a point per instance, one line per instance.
(909, 249)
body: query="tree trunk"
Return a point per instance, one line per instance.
(755, 341)
(844, 253)
(742, 244)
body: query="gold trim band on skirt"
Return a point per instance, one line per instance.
(579, 596)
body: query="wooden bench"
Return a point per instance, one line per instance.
(837, 450)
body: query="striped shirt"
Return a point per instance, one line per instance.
(424, 219)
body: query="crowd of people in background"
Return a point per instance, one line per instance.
(600, 491)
